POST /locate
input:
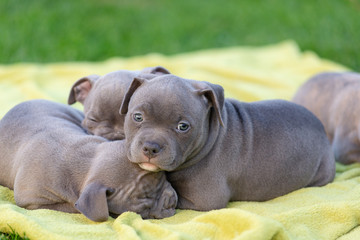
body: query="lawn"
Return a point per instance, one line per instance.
(12, 236)
(93, 30)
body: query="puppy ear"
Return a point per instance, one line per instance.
(137, 82)
(93, 202)
(215, 95)
(81, 89)
(159, 70)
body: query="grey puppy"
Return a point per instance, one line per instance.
(102, 97)
(334, 98)
(217, 150)
(51, 163)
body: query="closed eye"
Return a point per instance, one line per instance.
(92, 119)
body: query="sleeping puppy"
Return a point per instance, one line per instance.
(102, 97)
(334, 98)
(217, 150)
(50, 162)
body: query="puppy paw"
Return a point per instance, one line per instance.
(166, 204)
(170, 198)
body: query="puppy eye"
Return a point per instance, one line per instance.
(138, 117)
(92, 119)
(183, 126)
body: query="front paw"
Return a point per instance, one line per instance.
(166, 204)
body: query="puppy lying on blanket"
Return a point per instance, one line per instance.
(102, 97)
(218, 150)
(51, 163)
(334, 98)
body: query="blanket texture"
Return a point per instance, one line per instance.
(247, 74)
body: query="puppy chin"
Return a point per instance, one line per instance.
(149, 167)
(155, 166)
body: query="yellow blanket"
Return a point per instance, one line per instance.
(246, 73)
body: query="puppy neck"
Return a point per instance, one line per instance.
(200, 153)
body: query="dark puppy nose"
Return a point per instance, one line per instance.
(151, 149)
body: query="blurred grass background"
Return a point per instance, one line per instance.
(94, 30)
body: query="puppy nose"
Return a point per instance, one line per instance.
(151, 149)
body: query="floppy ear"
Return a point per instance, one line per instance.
(81, 89)
(159, 70)
(93, 202)
(137, 82)
(215, 95)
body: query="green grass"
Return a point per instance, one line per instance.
(12, 236)
(92, 30)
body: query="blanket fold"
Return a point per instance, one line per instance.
(247, 74)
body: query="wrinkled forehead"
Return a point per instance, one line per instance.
(167, 97)
(114, 82)
(120, 75)
(109, 90)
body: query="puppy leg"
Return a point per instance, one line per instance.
(346, 146)
(166, 204)
(325, 172)
(33, 201)
(32, 193)
(63, 207)
(211, 193)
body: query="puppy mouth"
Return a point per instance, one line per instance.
(114, 215)
(149, 167)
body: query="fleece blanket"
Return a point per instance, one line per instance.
(247, 74)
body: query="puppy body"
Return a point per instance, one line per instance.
(50, 162)
(334, 99)
(102, 97)
(218, 150)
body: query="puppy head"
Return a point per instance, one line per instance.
(148, 194)
(168, 119)
(102, 97)
(159, 70)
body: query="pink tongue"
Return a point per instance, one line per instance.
(149, 167)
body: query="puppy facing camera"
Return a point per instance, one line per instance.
(240, 151)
